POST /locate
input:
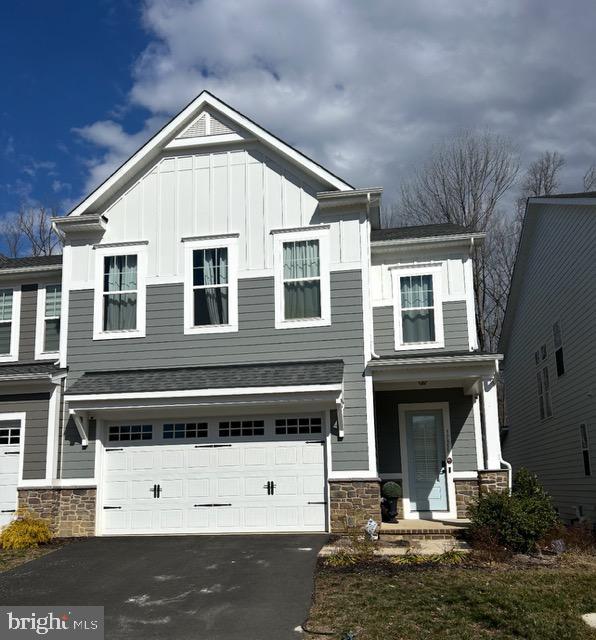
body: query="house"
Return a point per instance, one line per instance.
(248, 351)
(549, 355)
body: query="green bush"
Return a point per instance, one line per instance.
(519, 520)
(391, 490)
(25, 532)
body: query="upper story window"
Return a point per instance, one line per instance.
(47, 339)
(119, 293)
(211, 285)
(544, 397)
(302, 297)
(558, 342)
(418, 307)
(9, 328)
(585, 445)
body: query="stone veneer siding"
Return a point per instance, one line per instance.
(467, 491)
(70, 511)
(352, 503)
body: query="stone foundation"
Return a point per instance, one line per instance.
(490, 481)
(70, 511)
(468, 491)
(352, 503)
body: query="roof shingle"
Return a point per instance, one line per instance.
(417, 231)
(29, 262)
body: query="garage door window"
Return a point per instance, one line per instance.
(122, 433)
(10, 434)
(185, 430)
(239, 428)
(294, 426)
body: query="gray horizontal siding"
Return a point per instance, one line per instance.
(559, 284)
(387, 426)
(257, 340)
(455, 321)
(28, 321)
(35, 406)
(76, 462)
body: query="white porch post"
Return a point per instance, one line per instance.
(491, 423)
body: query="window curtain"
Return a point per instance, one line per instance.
(302, 297)
(120, 299)
(211, 302)
(418, 325)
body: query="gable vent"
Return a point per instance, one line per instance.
(205, 125)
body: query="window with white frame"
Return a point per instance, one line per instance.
(585, 447)
(50, 300)
(418, 307)
(119, 293)
(302, 279)
(6, 300)
(544, 397)
(211, 285)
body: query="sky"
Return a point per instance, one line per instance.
(363, 87)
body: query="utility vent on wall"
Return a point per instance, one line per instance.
(205, 125)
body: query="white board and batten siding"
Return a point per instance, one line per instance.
(241, 191)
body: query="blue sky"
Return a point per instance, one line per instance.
(365, 88)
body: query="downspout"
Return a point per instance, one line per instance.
(506, 464)
(373, 354)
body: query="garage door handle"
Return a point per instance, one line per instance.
(215, 504)
(322, 502)
(120, 449)
(11, 453)
(211, 446)
(112, 507)
(8, 511)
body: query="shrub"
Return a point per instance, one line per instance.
(25, 532)
(391, 490)
(519, 520)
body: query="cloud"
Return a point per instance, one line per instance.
(367, 88)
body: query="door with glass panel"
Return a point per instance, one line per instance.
(426, 460)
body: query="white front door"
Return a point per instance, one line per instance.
(10, 437)
(209, 483)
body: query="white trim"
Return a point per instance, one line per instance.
(370, 423)
(40, 323)
(66, 285)
(15, 325)
(458, 237)
(451, 511)
(435, 271)
(478, 432)
(124, 243)
(294, 230)
(320, 233)
(200, 393)
(183, 119)
(58, 483)
(52, 440)
(231, 244)
(117, 250)
(21, 416)
(210, 237)
(465, 475)
(204, 141)
(352, 475)
(470, 304)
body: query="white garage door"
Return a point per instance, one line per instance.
(10, 435)
(216, 476)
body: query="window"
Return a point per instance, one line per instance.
(418, 307)
(294, 426)
(10, 304)
(537, 357)
(585, 445)
(543, 352)
(544, 398)
(119, 292)
(237, 428)
(185, 430)
(47, 338)
(122, 433)
(211, 285)
(10, 433)
(302, 279)
(558, 342)
(5, 320)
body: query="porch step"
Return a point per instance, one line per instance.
(414, 533)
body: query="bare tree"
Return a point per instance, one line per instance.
(590, 179)
(11, 235)
(541, 178)
(30, 231)
(464, 183)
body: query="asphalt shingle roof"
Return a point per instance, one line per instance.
(418, 231)
(582, 194)
(278, 374)
(28, 368)
(29, 261)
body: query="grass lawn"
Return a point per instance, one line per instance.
(379, 600)
(9, 559)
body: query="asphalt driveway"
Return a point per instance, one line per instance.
(178, 587)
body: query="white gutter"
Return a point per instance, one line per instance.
(18, 270)
(427, 240)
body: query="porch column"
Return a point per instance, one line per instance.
(491, 423)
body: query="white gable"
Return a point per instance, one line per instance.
(205, 125)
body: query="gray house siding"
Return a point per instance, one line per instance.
(455, 323)
(74, 461)
(28, 319)
(387, 424)
(559, 284)
(257, 340)
(35, 406)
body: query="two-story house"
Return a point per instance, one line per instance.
(248, 351)
(549, 354)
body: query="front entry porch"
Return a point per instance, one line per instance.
(436, 424)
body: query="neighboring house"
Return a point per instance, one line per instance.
(248, 351)
(550, 356)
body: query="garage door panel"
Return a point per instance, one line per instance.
(210, 488)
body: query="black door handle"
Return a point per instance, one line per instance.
(158, 490)
(268, 487)
(154, 490)
(272, 487)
